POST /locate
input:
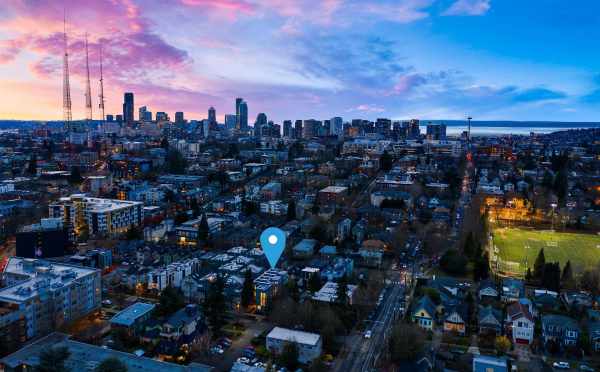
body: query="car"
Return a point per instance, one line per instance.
(368, 334)
(243, 360)
(585, 367)
(561, 365)
(217, 350)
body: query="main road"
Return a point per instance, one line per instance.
(363, 352)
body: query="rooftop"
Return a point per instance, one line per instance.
(291, 335)
(85, 357)
(334, 189)
(128, 316)
(38, 276)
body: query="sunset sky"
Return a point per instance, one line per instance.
(434, 59)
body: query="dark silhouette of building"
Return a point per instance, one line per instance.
(128, 108)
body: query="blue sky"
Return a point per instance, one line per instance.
(434, 59)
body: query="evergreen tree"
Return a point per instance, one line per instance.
(469, 247)
(314, 283)
(386, 161)
(176, 163)
(53, 360)
(289, 356)
(111, 364)
(170, 300)
(342, 291)
(75, 176)
(528, 275)
(32, 167)
(538, 267)
(561, 185)
(247, 295)
(215, 305)
(551, 276)
(164, 143)
(567, 280)
(292, 289)
(291, 211)
(203, 229)
(194, 207)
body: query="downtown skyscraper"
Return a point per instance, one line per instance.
(128, 108)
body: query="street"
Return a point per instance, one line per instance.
(363, 352)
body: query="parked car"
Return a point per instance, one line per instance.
(368, 334)
(561, 365)
(585, 367)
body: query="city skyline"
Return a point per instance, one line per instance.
(413, 58)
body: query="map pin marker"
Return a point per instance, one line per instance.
(272, 241)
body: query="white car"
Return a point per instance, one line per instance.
(561, 365)
(368, 334)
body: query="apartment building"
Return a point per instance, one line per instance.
(97, 216)
(42, 296)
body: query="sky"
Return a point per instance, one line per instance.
(300, 59)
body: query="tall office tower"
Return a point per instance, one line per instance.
(230, 121)
(310, 128)
(326, 127)
(119, 119)
(337, 126)
(144, 114)
(128, 108)
(287, 128)
(259, 124)
(212, 115)
(298, 129)
(179, 119)
(243, 118)
(162, 116)
(436, 131)
(238, 102)
(383, 126)
(413, 132)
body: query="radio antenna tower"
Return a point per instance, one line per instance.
(67, 116)
(88, 92)
(101, 96)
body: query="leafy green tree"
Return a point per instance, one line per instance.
(53, 360)
(111, 364)
(502, 344)
(538, 266)
(406, 342)
(247, 295)
(134, 233)
(171, 299)
(289, 356)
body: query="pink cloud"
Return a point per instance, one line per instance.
(468, 7)
(9, 49)
(407, 83)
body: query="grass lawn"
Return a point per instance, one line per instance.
(515, 247)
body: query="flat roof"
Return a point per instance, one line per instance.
(129, 315)
(86, 357)
(334, 189)
(39, 275)
(291, 335)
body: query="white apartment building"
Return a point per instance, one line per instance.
(173, 274)
(309, 344)
(43, 296)
(274, 207)
(99, 216)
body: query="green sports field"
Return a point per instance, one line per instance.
(518, 249)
